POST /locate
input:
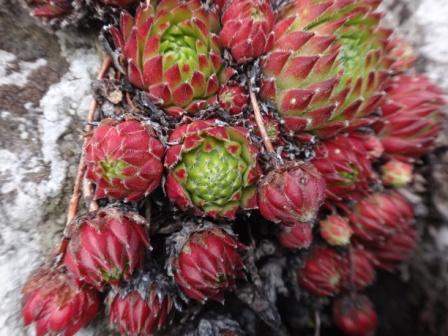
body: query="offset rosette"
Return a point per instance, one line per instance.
(327, 272)
(328, 65)
(124, 160)
(412, 117)
(380, 216)
(233, 98)
(324, 272)
(212, 168)
(396, 173)
(291, 194)
(298, 236)
(382, 222)
(106, 247)
(173, 53)
(247, 28)
(69, 10)
(355, 315)
(402, 54)
(55, 304)
(50, 9)
(206, 262)
(345, 164)
(395, 250)
(335, 230)
(142, 306)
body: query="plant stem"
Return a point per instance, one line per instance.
(260, 123)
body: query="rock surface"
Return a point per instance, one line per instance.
(45, 82)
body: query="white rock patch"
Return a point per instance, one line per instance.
(20, 251)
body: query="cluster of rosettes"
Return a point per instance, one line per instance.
(332, 85)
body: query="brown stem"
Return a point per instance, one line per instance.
(76, 195)
(260, 123)
(74, 201)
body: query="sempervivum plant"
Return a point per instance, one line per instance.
(141, 307)
(247, 28)
(72, 12)
(124, 160)
(323, 273)
(55, 305)
(172, 52)
(291, 194)
(328, 64)
(412, 116)
(382, 222)
(298, 236)
(380, 215)
(106, 246)
(326, 272)
(394, 250)
(402, 54)
(396, 173)
(233, 99)
(355, 315)
(335, 230)
(212, 168)
(345, 164)
(206, 262)
(259, 145)
(50, 9)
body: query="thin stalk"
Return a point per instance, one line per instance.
(260, 123)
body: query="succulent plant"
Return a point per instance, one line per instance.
(247, 28)
(141, 307)
(233, 99)
(412, 115)
(382, 222)
(206, 263)
(344, 162)
(298, 236)
(394, 250)
(272, 126)
(124, 160)
(291, 194)
(328, 64)
(212, 168)
(380, 216)
(402, 54)
(55, 305)
(324, 272)
(335, 230)
(106, 247)
(396, 173)
(172, 52)
(355, 315)
(360, 268)
(337, 112)
(50, 9)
